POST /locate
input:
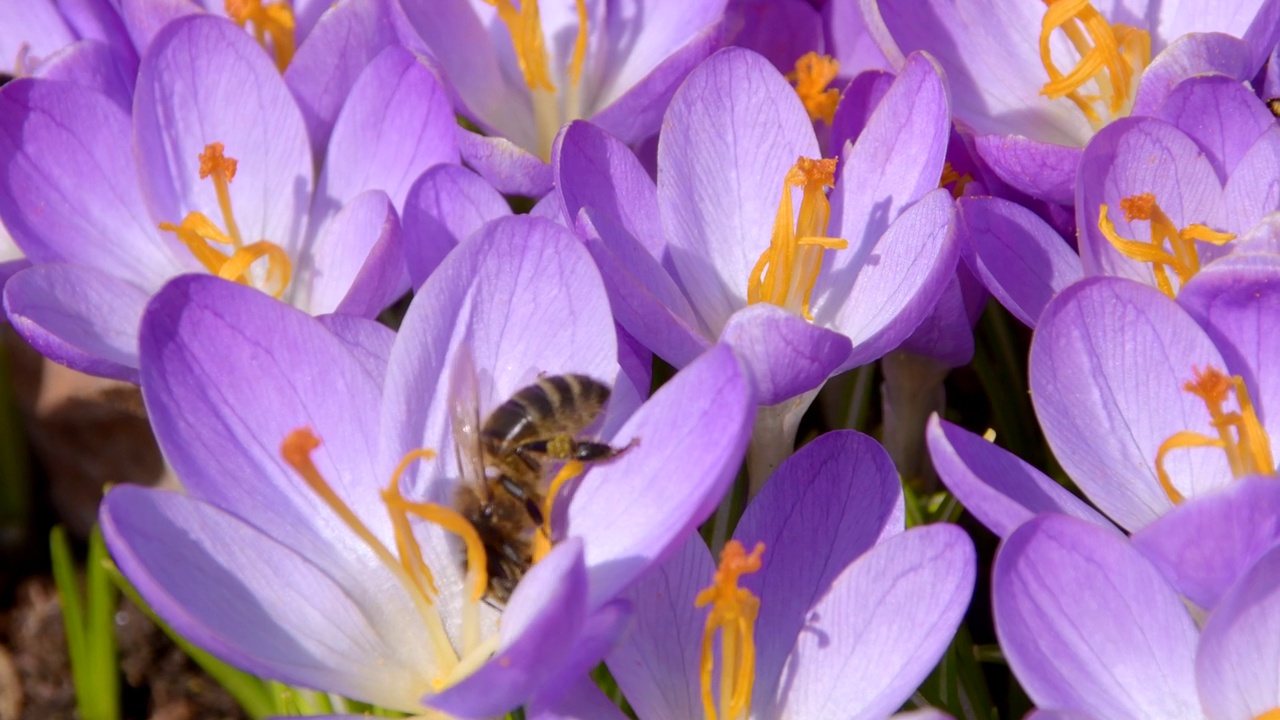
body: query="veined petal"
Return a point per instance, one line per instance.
(1043, 170)
(358, 265)
(583, 701)
(369, 340)
(1237, 666)
(783, 354)
(1221, 115)
(1189, 56)
(444, 207)
(506, 165)
(780, 30)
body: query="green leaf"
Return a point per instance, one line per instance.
(957, 684)
(103, 673)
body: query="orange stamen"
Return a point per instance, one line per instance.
(1110, 55)
(951, 177)
(525, 26)
(733, 615)
(542, 540)
(1182, 257)
(811, 77)
(787, 271)
(273, 20)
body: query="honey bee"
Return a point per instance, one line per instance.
(503, 462)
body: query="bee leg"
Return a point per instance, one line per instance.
(534, 509)
(588, 451)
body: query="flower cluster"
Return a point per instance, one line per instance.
(511, 354)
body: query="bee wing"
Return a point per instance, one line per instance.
(464, 398)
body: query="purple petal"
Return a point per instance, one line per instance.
(506, 166)
(1238, 663)
(79, 317)
(1189, 56)
(1108, 364)
(734, 130)
(837, 493)
(1253, 20)
(691, 437)
(98, 66)
(537, 635)
(205, 80)
(780, 30)
(849, 40)
(1253, 190)
(896, 282)
(602, 631)
(1224, 118)
(783, 354)
(444, 207)
(144, 18)
(1043, 170)
(946, 334)
(336, 51)
(887, 620)
(68, 192)
(39, 26)
(1018, 257)
(584, 701)
(1088, 625)
(260, 605)
(369, 341)
(1204, 545)
(396, 123)
(359, 266)
(999, 488)
(858, 101)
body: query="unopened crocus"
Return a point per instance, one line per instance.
(739, 242)
(211, 173)
(821, 606)
(1034, 81)
(1092, 630)
(317, 542)
(522, 69)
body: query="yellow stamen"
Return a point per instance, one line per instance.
(542, 540)
(196, 231)
(1273, 714)
(1248, 449)
(787, 271)
(525, 26)
(733, 614)
(1182, 257)
(811, 77)
(1110, 55)
(950, 176)
(273, 20)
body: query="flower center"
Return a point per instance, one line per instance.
(787, 271)
(1110, 55)
(407, 564)
(811, 77)
(197, 231)
(525, 27)
(1182, 256)
(1240, 434)
(957, 181)
(272, 21)
(733, 615)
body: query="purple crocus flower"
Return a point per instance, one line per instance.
(212, 172)
(1033, 82)
(834, 612)
(315, 565)
(1092, 630)
(1157, 198)
(521, 70)
(718, 251)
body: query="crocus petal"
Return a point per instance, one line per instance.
(1203, 546)
(1253, 20)
(1189, 56)
(144, 18)
(444, 207)
(204, 80)
(96, 65)
(1237, 664)
(600, 633)
(396, 123)
(537, 634)
(656, 664)
(1223, 116)
(78, 316)
(1089, 625)
(1253, 190)
(896, 160)
(68, 193)
(734, 129)
(858, 101)
(358, 264)
(37, 28)
(1133, 156)
(823, 507)
(871, 640)
(511, 169)
(260, 605)
(946, 333)
(780, 30)
(1108, 364)
(691, 436)
(849, 40)
(369, 340)
(526, 299)
(783, 355)
(584, 701)
(1043, 170)
(897, 283)
(1018, 257)
(337, 50)
(220, 376)
(998, 487)
(1236, 300)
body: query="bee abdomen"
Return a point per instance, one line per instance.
(555, 404)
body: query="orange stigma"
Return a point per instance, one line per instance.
(811, 77)
(1182, 256)
(733, 615)
(1112, 56)
(957, 181)
(1239, 433)
(272, 21)
(197, 231)
(787, 271)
